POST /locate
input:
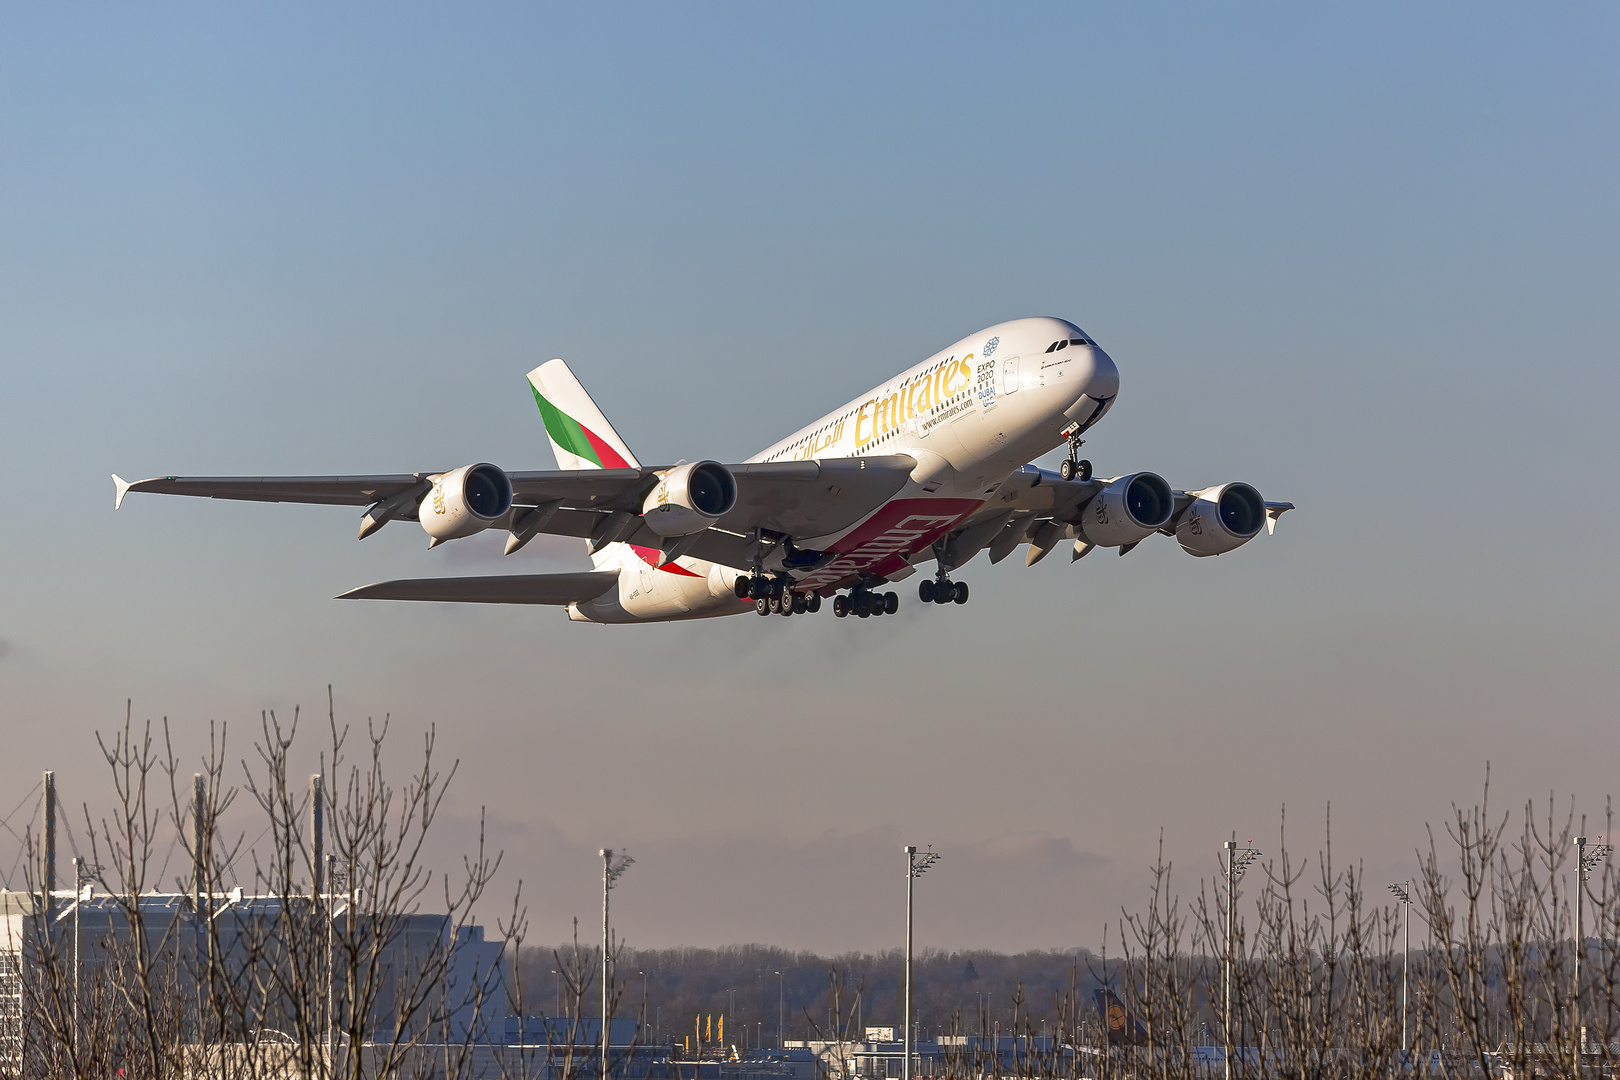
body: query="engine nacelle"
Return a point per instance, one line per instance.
(689, 498)
(1128, 510)
(1220, 519)
(468, 500)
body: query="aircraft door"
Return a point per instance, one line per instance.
(1009, 375)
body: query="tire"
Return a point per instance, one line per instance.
(841, 607)
(1085, 469)
(800, 604)
(1067, 469)
(774, 604)
(960, 593)
(758, 588)
(787, 603)
(740, 586)
(812, 603)
(925, 591)
(863, 612)
(762, 605)
(777, 586)
(891, 603)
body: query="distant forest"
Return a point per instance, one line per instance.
(965, 992)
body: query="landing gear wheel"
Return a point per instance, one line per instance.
(762, 605)
(800, 604)
(758, 587)
(960, 592)
(891, 603)
(925, 591)
(841, 606)
(863, 609)
(740, 586)
(774, 603)
(1084, 468)
(812, 603)
(1067, 469)
(787, 603)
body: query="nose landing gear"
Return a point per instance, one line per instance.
(1075, 467)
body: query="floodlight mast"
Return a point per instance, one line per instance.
(612, 867)
(1405, 898)
(1586, 860)
(916, 866)
(1237, 861)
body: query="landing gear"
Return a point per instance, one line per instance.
(775, 595)
(864, 604)
(943, 592)
(1075, 467)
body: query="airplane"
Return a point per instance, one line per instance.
(931, 466)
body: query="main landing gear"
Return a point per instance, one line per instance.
(775, 595)
(863, 604)
(1075, 467)
(942, 591)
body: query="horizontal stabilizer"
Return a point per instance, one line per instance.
(560, 589)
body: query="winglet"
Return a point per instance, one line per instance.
(121, 488)
(1275, 510)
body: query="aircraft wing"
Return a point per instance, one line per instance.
(507, 589)
(794, 498)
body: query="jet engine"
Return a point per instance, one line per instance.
(468, 500)
(1220, 519)
(1128, 510)
(689, 498)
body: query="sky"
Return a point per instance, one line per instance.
(1361, 256)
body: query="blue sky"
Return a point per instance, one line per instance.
(1361, 256)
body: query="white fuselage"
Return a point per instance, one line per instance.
(971, 415)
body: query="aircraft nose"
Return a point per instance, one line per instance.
(1103, 382)
(1099, 385)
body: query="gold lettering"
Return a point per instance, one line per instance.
(887, 417)
(860, 415)
(923, 397)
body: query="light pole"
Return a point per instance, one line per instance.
(1586, 858)
(1237, 861)
(781, 1011)
(612, 867)
(557, 973)
(1406, 949)
(643, 975)
(916, 866)
(78, 902)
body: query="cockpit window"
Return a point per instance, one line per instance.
(1079, 341)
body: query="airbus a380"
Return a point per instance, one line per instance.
(930, 467)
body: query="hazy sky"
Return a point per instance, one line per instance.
(1363, 257)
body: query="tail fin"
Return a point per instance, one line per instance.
(1123, 1028)
(581, 437)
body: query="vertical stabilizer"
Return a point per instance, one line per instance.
(580, 435)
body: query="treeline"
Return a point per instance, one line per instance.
(819, 996)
